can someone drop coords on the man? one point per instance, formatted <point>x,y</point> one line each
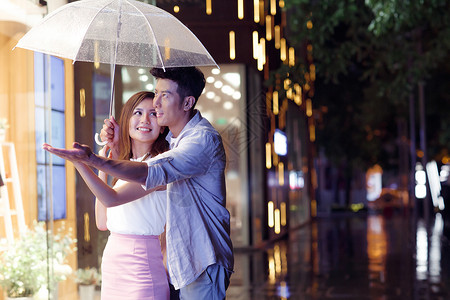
<point>199,248</point>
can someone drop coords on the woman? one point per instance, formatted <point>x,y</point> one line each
<point>132,264</point>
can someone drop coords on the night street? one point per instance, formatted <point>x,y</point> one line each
<point>349,257</point>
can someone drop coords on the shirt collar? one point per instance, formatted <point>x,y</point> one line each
<point>192,122</point>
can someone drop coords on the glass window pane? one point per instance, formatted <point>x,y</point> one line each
<point>57,83</point>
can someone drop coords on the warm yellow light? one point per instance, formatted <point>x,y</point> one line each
<point>96,56</point>
<point>87,235</point>
<point>261,10</point>
<point>260,61</point>
<point>268,155</point>
<point>272,275</point>
<point>283,49</point>
<point>291,56</point>
<point>176,9</point>
<point>270,207</point>
<point>277,33</point>
<point>277,257</point>
<point>281,3</point>
<point>298,94</point>
<point>281,173</point>
<point>312,133</point>
<point>312,71</point>
<point>82,103</point>
<point>309,47</point>
<point>286,83</point>
<point>309,24</point>
<point>306,87</point>
<point>283,213</point>
<point>308,107</point>
<point>275,106</point>
<point>208,7</point>
<point>167,49</point>
<point>268,28</point>
<point>256,11</point>
<point>262,42</point>
<point>277,221</point>
<point>290,94</point>
<point>232,45</point>
<point>255,44</point>
<point>273,7</point>
<point>240,9</point>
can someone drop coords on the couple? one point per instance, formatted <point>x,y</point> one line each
<point>198,247</point>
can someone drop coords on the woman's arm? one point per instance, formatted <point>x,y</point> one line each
<point>100,209</point>
<point>123,169</point>
<point>108,196</point>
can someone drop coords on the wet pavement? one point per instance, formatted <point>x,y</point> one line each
<point>359,256</point>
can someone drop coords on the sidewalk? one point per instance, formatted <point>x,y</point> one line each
<point>349,257</point>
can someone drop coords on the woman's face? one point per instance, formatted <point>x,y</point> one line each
<point>143,127</point>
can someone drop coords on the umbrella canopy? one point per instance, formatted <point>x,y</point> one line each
<point>123,32</point>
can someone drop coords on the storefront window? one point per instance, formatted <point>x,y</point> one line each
<point>49,113</point>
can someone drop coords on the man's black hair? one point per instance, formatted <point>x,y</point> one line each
<point>190,80</point>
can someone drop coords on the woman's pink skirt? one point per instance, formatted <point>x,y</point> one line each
<point>133,269</point>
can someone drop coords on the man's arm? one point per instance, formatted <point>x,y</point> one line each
<point>122,169</point>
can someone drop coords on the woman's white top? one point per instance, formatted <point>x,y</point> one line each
<point>144,216</point>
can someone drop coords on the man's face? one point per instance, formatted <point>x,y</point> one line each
<point>168,104</point>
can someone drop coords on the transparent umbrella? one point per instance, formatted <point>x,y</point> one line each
<point>122,32</point>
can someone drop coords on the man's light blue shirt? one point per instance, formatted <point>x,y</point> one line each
<point>198,223</point>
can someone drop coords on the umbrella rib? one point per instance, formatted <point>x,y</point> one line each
<point>87,29</point>
<point>153,33</point>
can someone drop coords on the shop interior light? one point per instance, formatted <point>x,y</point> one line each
<point>273,7</point>
<point>232,45</point>
<point>283,51</point>
<point>208,7</point>
<point>312,132</point>
<point>255,39</point>
<point>291,56</point>
<point>421,180</point>
<point>270,214</point>
<point>275,107</point>
<point>435,185</point>
<point>308,107</point>
<point>240,9</point>
<point>167,48</point>
<point>277,33</point>
<point>268,27</point>
<point>277,228</point>
<point>280,142</point>
<point>281,173</point>
<point>283,213</point>
<point>256,11</point>
<point>82,103</point>
<point>262,42</point>
<point>268,156</point>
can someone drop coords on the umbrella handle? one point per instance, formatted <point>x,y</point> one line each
<point>98,141</point>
